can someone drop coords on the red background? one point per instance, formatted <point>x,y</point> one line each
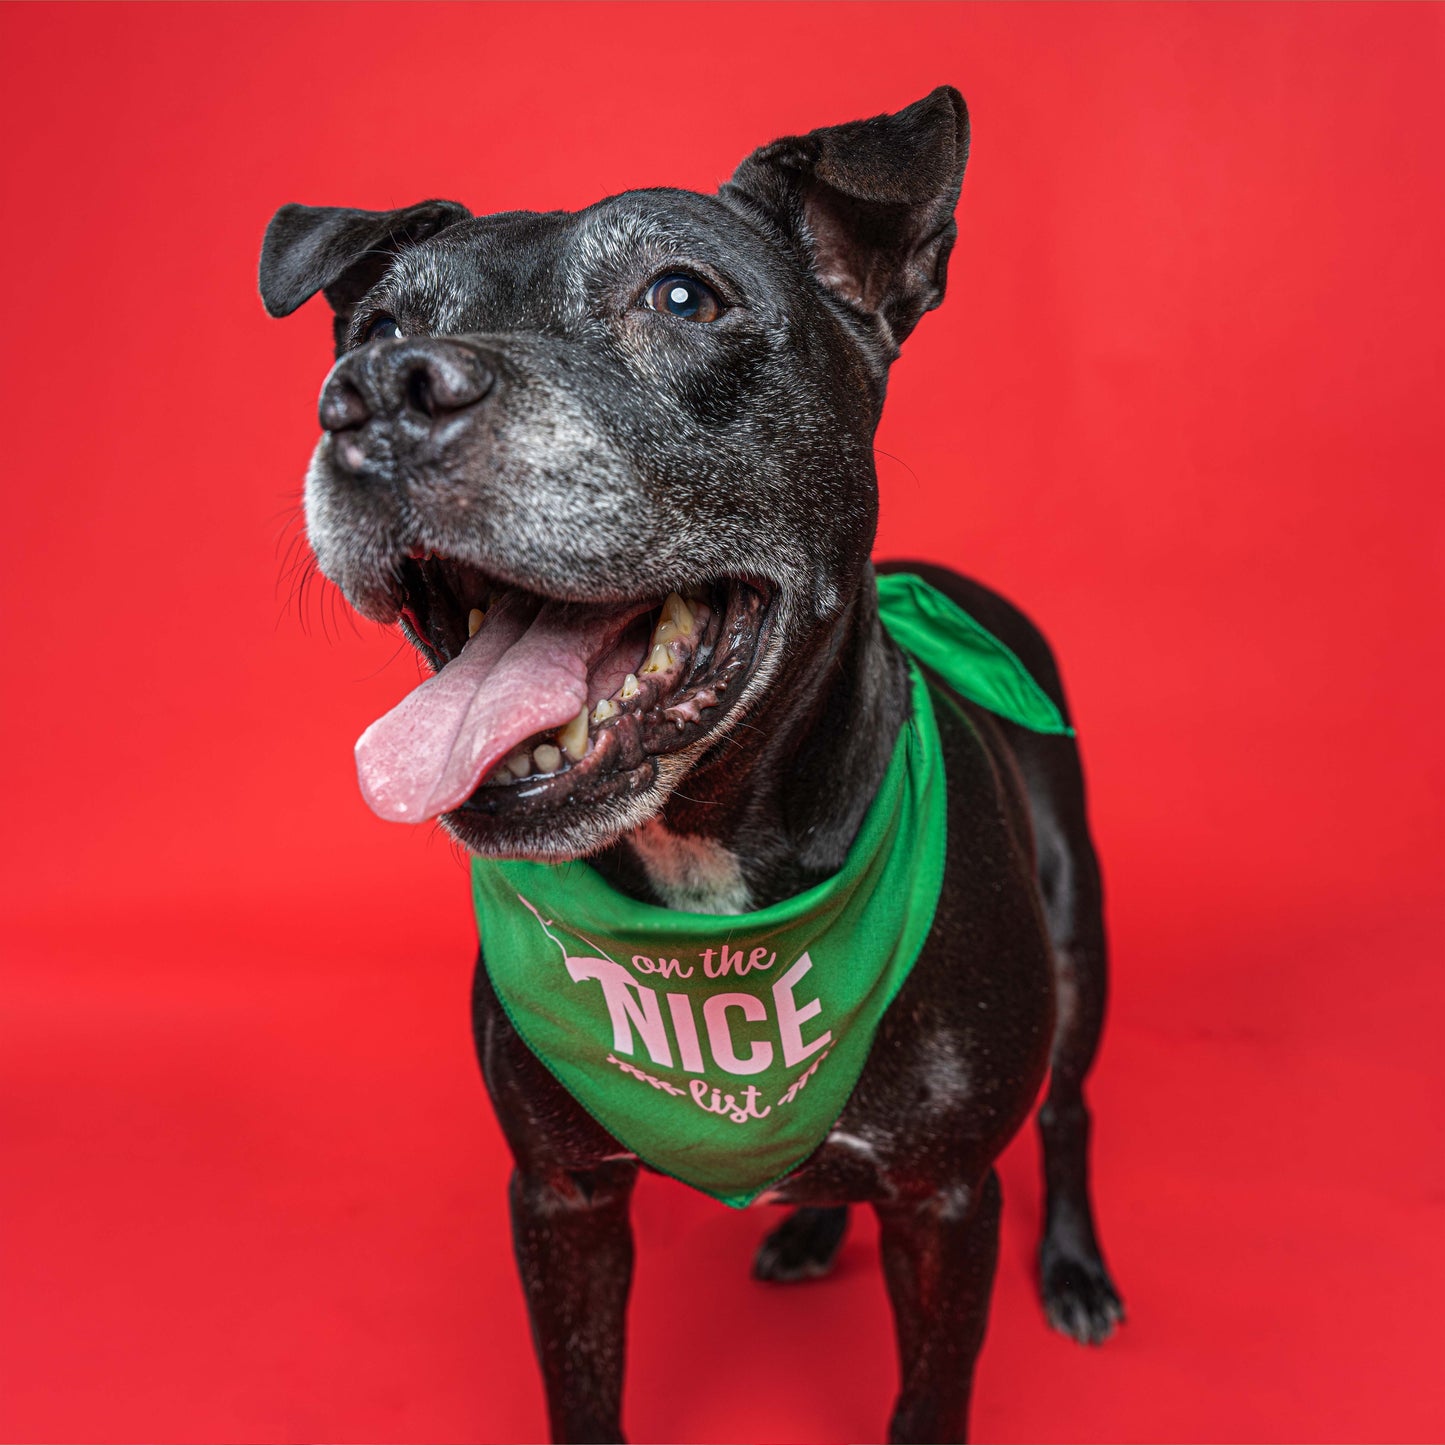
<point>1184,402</point>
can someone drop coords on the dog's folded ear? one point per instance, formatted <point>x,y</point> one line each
<point>341,253</point>
<point>869,206</point>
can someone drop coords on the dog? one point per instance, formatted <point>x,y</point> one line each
<point>542,425</point>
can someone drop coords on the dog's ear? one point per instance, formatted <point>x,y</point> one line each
<point>341,253</point>
<point>869,206</point>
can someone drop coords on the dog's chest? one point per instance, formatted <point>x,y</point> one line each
<point>695,875</point>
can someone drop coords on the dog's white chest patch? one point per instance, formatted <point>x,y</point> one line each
<point>690,873</point>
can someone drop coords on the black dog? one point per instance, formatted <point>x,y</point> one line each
<point>666,392</point>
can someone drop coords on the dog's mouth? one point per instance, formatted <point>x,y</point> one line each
<point>541,704</point>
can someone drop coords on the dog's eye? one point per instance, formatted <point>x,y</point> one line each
<point>685,297</point>
<point>384,328</point>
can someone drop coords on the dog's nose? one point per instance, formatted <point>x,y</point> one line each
<point>432,379</point>
<point>416,384</point>
<point>342,408</point>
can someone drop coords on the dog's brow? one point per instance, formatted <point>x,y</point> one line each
<point>603,236</point>
<point>427,275</point>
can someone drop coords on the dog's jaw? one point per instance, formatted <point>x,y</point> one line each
<point>658,687</point>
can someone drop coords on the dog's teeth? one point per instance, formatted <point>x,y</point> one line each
<point>475,618</point>
<point>676,621</point>
<point>604,710</point>
<point>676,608</point>
<point>573,737</point>
<point>630,688</point>
<point>519,764</point>
<point>547,758</point>
<point>659,659</point>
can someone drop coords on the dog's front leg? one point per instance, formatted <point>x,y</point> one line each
<point>573,1235</point>
<point>938,1259</point>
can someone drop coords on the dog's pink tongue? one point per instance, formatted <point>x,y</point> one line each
<point>524,671</point>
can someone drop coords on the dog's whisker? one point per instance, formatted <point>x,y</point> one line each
<point>878,451</point>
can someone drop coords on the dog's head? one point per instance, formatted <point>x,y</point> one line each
<point>612,470</point>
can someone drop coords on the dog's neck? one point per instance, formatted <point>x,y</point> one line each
<point>777,808</point>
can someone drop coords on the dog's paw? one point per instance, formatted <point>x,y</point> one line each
<point>803,1246</point>
<point>1079,1298</point>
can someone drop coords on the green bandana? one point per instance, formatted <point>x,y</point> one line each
<point>721,1048</point>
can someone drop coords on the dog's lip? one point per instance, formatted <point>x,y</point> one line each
<point>495,574</point>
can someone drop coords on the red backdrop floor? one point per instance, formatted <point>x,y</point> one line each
<point>1183,401</point>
